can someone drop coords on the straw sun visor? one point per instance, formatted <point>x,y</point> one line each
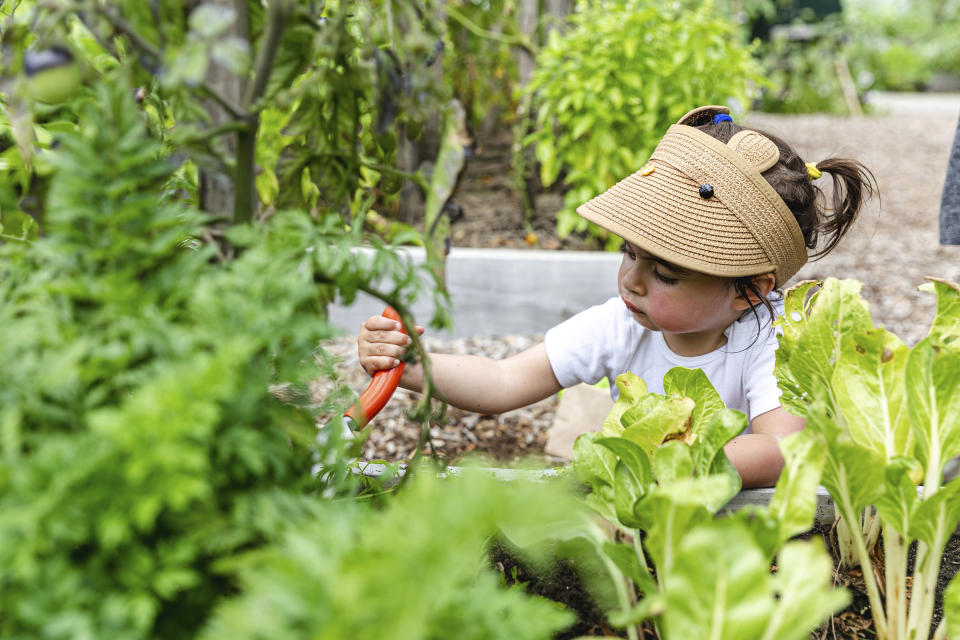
<point>704,205</point>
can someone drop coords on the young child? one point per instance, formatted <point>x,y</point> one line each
<point>718,219</point>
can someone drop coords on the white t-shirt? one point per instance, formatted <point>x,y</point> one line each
<point>605,341</point>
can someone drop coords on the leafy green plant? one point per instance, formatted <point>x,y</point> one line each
<point>274,105</point>
<point>887,418</point>
<point>479,60</point>
<point>806,74</point>
<point>141,443</point>
<point>899,47</point>
<point>658,473</point>
<point>157,417</point>
<point>414,569</point>
<point>604,92</point>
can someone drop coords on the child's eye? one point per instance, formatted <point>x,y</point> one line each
<point>664,279</point>
<point>630,253</point>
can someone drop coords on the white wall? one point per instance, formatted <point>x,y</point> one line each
<point>501,291</point>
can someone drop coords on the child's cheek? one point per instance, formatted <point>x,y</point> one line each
<point>671,314</point>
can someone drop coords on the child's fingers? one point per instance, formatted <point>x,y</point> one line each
<point>381,323</point>
<point>382,349</point>
<point>379,363</point>
<point>381,344</point>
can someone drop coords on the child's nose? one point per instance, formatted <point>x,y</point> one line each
<point>633,280</point>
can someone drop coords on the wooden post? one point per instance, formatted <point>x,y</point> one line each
<point>527,20</point>
<point>217,189</point>
<point>556,12</point>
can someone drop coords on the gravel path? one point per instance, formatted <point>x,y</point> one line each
<point>895,243</point>
<point>891,249</point>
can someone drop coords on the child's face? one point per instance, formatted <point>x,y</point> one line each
<point>685,305</point>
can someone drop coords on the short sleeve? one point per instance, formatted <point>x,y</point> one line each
<point>579,349</point>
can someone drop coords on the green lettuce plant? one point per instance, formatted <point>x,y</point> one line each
<point>657,472</point>
<point>887,418</point>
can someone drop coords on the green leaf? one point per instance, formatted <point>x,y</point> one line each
<point>868,383</point>
<point>625,557</point>
<point>627,492</point>
<point>581,126</point>
<point>649,425</point>
<point>722,427</point>
<point>933,374</point>
<point>852,474</point>
<point>631,455</point>
<point>694,384</point>
<point>210,20</point>
<point>805,597</point>
<point>549,168</point>
<point>898,502</point>
<point>233,54</point>
<point>721,587</point>
<point>187,66</point>
<point>815,342</point>
<point>648,607</point>
<point>668,511</point>
<point>951,607</point>
<point>672,462</point>
<point>946,322</point>
<point>631,389</point>
<point>936,516</point>
<point>593,463</point>
<point>794,501</point>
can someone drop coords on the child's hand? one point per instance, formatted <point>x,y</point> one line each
<point>381,343</point>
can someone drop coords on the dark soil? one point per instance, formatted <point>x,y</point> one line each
<point>561,582</point>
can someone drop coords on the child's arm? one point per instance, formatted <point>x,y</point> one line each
<point>472,383</point>
<point>757,455</point>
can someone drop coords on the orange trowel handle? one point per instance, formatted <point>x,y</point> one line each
<point>378,392</point>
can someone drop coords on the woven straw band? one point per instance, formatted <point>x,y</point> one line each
<point>744,228</point>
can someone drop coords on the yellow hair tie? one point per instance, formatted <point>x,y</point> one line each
<point>812,172</point>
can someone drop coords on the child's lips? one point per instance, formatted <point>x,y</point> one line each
<point>630,307</point>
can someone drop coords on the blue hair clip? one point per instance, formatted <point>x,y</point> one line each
<point>722,117</point>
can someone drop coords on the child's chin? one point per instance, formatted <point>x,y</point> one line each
<point>644,321</point>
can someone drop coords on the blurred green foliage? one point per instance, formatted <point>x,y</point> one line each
<point>480,62</point>
<point>603,93</point>
<point>801,65</point>
<point>899,46</point>
<point>311,96</point>
<point>415,569</point>
<point>140,441</point>
<point>888,46</point>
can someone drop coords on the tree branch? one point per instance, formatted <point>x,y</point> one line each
<point>521,40</point>
<point>278,13</point>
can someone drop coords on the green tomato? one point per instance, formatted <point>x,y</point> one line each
<point>53,76</point>
<point>390,183</point>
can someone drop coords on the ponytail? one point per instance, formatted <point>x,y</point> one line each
<point>822,226</point>
<point>853,185</point>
